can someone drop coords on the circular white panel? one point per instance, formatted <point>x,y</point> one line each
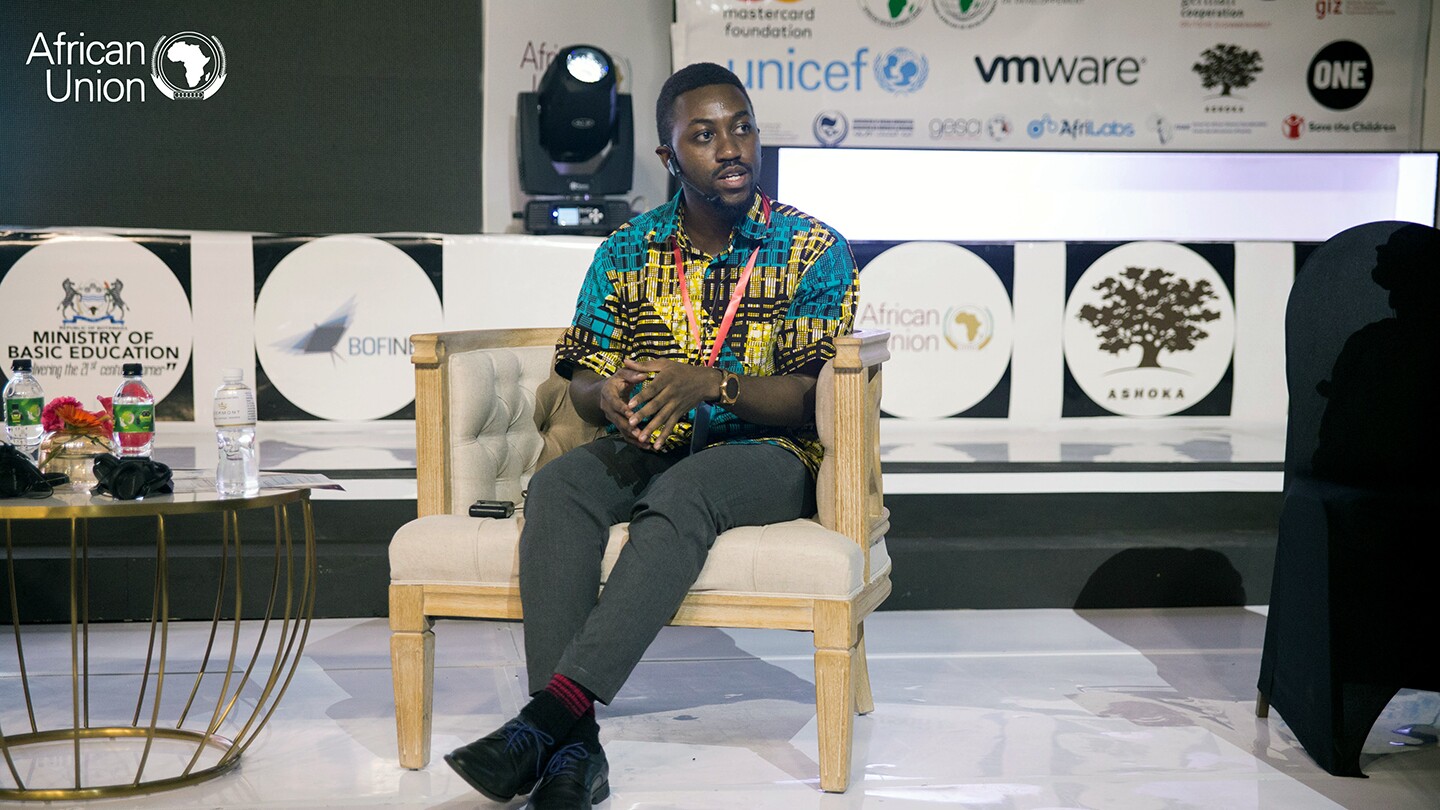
<point>82,306</point>
<point>950,322</point>
<point>1149,329</point>
<point>333,325</point>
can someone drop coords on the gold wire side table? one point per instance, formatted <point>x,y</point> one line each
<point>227,704</point>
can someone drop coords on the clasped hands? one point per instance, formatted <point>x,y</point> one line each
<point>668,391</point>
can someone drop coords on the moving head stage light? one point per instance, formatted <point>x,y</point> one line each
<point>576,137</point>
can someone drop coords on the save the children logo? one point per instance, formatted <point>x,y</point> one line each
<point>1149,329</point>
<point>81,68</point>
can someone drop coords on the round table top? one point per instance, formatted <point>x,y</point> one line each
<point>85,505</point>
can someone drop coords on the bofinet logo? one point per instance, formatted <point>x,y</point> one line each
<point>84,69</point>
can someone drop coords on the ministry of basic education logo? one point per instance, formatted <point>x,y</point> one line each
<point>188,65</point>
<point>92,301</point>
<point>965,13</point>
<point>830,127</point>
<point>902,71</point>
<point>892,13</point>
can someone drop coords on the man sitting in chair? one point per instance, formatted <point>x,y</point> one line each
<point>698,336</point>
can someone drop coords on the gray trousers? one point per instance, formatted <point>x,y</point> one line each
<point>676,505</point>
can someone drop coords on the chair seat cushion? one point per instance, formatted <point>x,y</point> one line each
<point>796,558</point>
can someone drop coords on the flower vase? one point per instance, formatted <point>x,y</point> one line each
<point>73,454</point>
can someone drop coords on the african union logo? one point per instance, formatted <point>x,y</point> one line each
<point>901,71</point>
<point>188,65</point>
<point>965,13</point>
<point>830,127</point>
<point>892,13</point>
<point>968,327</point>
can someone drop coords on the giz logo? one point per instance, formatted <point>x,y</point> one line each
<point>1324,8</point>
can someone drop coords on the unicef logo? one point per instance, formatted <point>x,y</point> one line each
<point>902,71</point>
<point>188,65</point>
<point>969,327</point>
<point>830,127</point>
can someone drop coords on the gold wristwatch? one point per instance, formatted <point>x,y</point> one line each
<point>729,387</point>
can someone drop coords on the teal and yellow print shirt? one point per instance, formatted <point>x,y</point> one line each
<point>801,295</point>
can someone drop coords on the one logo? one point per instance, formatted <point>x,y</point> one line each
<point>1229,67</point>
<point>969,327</point>
<point>892,13</point>
<point>902,71</point>
<point>92,302</point>
<point>1162,128</point>
<point>830,127</point>
<point>1340,75</point>
<point>1292,126</point>
<point>998,127</point>
<point>1083,70</point>
<point>188,65</point>
<point>1077,128</point>
<point>1149,329</point>
<point>324,337</point>
<point>965,13</point>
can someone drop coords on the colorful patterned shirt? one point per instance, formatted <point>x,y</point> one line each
<point>801,295</point>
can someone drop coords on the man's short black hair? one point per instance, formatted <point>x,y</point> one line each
<point>690,77</point>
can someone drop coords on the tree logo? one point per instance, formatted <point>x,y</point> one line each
<point>1149,329</point>
<point>1229,67</point>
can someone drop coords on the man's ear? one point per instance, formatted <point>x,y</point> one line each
<point>666,155</point>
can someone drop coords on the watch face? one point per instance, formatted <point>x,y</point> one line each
<point>730,390</point>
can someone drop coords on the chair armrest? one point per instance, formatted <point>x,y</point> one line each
<point>849,491</point>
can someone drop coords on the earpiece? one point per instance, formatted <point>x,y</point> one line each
<point>674,170</point>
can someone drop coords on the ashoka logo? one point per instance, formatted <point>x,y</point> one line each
<point>965,13</point>
<point>188,65</point>
<point>902,71</point>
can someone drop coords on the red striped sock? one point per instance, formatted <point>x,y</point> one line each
<point>571,695</point>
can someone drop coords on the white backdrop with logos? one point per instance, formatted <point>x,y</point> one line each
<point>1214,75</point>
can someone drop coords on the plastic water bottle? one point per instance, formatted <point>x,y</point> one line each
<point>238,470</point>
<point>24,401</point>
<point>134,407</point>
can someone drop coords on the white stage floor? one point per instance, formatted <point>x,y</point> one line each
<point>1112,710</point>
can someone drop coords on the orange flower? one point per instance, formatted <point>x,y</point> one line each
<point>65,414</point>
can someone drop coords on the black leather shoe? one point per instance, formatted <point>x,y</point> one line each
<point>505,763</point>
<point>575,778</point>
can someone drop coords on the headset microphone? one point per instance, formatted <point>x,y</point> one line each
<point>673,164</point>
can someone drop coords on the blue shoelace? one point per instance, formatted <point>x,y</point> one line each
<point>520,735</point>
<point>565,760</point>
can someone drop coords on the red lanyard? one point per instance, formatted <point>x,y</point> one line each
<point>734,305</point>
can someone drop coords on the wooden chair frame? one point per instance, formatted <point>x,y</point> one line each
<point>848,402</point>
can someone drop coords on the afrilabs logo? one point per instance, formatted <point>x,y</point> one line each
<point>1083,70</point>
<point>1228,67</point>
<point>92,302</point>
<point>892,13</point>
<point>902,71</point>
<point>1076,128</point>
<point>188,65</point>
<point>965,13</point>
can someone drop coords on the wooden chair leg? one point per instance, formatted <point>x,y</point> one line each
<point>834,707</point>
<point>412,668</point>
<point>864,701</point>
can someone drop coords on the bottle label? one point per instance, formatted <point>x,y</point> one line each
<point>23,412</point>
<point>134,418</point>
<point>235,410</point>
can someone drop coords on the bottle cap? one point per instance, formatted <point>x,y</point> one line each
<point>131,369</point>
<point>21,364</point>
<point>232,374</point>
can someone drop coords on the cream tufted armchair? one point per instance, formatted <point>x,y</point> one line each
<point>490,411</point>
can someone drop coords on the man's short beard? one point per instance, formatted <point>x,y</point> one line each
<point>737,210</point>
